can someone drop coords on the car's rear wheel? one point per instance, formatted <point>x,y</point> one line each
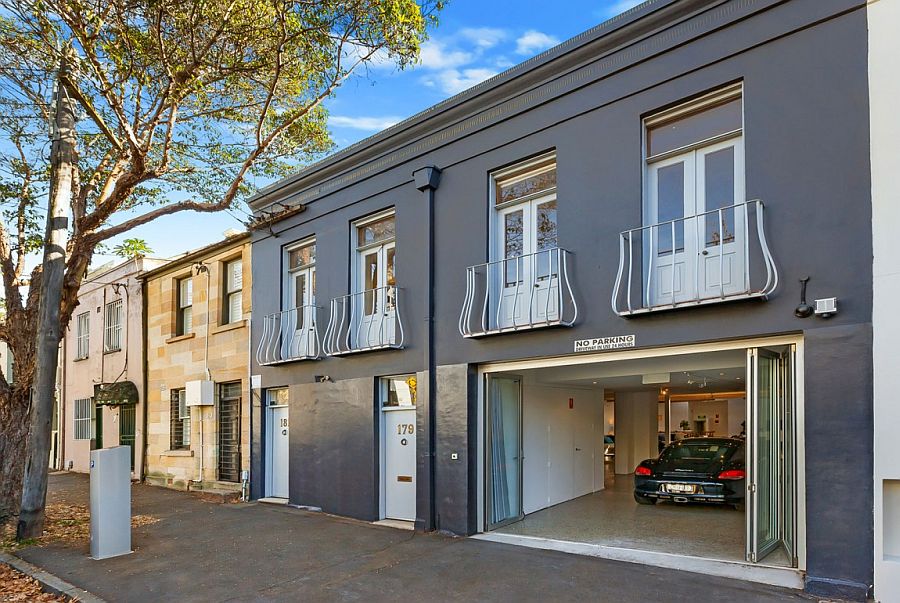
<point>644,500</point>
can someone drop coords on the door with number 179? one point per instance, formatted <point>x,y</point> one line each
<point>399,446</point>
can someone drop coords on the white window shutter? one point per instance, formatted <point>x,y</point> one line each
<point>235,276</point>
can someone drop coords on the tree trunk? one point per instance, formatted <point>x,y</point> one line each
<point>13,446</point>
<point>63,159</point>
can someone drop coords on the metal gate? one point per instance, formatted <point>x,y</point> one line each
<point>230,432</point>
<point>127,428</point>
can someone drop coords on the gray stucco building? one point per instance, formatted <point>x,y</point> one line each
<point>456,318</point>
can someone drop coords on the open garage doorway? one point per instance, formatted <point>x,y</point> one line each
<point>691,454</point>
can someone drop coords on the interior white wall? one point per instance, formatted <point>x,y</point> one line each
<point>553,470</point>
<point>681,411</point>
<point>713,410</point>
<point>884,90</point>
<point>636,435</point>
<point>737,414</point>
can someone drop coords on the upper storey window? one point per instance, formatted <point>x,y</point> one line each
<point>694,179</point>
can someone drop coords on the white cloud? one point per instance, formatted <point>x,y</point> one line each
<point>483,37</point>
<point>368,124</point>
<point>533,41</point>
<point>618,7</point>
<point>453,81</point>
<point>436,55</point>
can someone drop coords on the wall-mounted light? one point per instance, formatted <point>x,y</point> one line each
<point>323,379</point>
<point>804,310</point>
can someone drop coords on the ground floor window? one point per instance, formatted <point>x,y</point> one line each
<point>179,421</point>
<point>84,419</point>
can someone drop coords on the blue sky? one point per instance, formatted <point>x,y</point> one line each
<point>474,41</point>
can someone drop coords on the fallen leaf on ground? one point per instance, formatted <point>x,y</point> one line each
<point>64,523</point>
<point>16,586</point>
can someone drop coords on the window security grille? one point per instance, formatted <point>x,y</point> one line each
<point>112,326</point>
<point>84,418</point>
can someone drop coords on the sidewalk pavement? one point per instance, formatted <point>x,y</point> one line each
<point>201,551</point>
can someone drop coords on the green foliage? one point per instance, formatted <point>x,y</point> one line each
<point>183,100</point>
<point>132,248</point>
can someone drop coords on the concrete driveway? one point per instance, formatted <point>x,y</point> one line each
<point>201,551</point>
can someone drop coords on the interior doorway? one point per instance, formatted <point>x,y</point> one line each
<point>693,454</point>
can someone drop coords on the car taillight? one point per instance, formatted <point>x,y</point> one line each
<point>733,474</point>
<point>642,471</point>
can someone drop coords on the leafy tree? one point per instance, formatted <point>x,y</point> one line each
<point>132,248</point>
<point>184,104</point>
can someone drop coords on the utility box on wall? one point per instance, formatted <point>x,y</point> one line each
<point>199,393</point>
<point>110,502</point>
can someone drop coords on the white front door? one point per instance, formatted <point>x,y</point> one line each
<point>695,241</point>
<point>279,428</point>
<point>399,475</point>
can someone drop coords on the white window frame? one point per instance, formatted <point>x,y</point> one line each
<point>358,252</point>
<point>532,279</point>
<point>692,288</point>
<point>233,288</point>
<point>289,298</point>
<point>112,326</point>
<point>82,335</point>
<point>181,308</point>
<point>84,423</point>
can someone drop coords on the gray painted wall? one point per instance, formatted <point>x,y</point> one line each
<point>806,156</point>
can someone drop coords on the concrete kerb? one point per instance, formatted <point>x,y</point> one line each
<point>49,582</point>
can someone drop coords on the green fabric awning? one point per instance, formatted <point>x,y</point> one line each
<point>122,393</point>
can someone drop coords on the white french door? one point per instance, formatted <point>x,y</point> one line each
<point>375,306</point>
<point>526,277</point>
<point>695,240</point>
<point>298,331</point>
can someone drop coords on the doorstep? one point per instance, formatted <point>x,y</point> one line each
<point>398,524</point>
<point>272,500</point>
<point>751,572</point>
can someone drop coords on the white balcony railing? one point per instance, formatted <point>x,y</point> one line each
<point>288,336</point>
<point>364,321</point>
<point>715,256</point>
<point>519,293</point>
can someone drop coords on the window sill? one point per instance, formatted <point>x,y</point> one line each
<point>180,338</point>
<point>238,324</point>
<point>79,359</point>
<point>184,452</point>
<point>105,352</point>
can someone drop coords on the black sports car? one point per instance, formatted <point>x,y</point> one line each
<point>702,470</point>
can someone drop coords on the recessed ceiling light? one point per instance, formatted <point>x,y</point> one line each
<point>595,383</point>
<point>738,378</point>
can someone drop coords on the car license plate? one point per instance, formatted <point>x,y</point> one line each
<point>680,488</point>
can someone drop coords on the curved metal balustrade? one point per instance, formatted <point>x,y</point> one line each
<point>289,336</point>
<point>706,258</point>
<point>519,293</point>
<point>364,321</point>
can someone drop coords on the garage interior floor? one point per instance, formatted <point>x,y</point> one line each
<point>611,517</point>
